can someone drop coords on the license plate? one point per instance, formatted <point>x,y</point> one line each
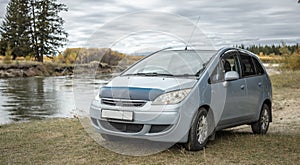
<point>119,115</point>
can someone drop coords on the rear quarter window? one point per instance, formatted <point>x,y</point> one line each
<point>259,68</point>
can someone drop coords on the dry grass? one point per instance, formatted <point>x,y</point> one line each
<point>64,141</point>
<point>287,79</point>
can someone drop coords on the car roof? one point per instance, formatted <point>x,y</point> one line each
<point>224,49</point>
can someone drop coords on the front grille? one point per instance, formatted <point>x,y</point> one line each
<point>121,127</point>
<point>123,103</point>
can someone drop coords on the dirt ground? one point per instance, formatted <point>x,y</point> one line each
<point>285,112</point>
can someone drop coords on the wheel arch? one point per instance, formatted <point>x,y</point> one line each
<point>209,113</point>
<point>192,143</point>
<point>269,104</point>
<point>207,107</point>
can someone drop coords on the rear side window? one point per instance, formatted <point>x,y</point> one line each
<point>247,65</point>
<point>259,68</point>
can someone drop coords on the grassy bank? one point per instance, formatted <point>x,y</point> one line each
<point>60,141</point>
<point>64,141</point>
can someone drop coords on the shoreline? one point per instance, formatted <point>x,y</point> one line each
<point>32,69</point>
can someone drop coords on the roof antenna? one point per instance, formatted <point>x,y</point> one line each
<point>192,34</point>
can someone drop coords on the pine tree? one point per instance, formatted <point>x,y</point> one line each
<point>47,27</point>
<point>15,29</point>
<point>33,27</point>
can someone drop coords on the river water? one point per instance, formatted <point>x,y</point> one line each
<point>35,98</point>
<point>25,99</point>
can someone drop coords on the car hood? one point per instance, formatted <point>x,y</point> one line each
<point>143,87</point>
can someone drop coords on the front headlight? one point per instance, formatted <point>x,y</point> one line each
<point>97,97</point>
<point>96,100</point>
<point>173,97</point>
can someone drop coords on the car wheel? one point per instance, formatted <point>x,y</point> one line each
<point>262,125</point>
<point>198,135</point>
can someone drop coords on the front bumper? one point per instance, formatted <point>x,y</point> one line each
<point>164,123</point>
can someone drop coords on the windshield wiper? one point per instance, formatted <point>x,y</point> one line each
<point>201,70</point>
<point>184,75</point>
<point>154,74</point>
<point>149,74</point>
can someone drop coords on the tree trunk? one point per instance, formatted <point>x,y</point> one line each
<point>33,35</point>
<point>40,58</point>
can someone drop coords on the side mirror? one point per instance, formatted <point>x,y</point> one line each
<point>231,75</point>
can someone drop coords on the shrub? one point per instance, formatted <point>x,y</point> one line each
<point>28,58</point>
<point>7,58</point>
<point>293,61</point>
<point>60,59</point>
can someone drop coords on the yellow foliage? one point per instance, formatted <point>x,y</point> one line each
<point>72,58</point>
<point>293,61</point>
<point>27,58</point>
<point>7,59</point>
<point>67,61</point>
<point>47,59</point>
<point>271,59</point>
<point>60,59</point>
<point>20,58</point>
<point>87,55</point>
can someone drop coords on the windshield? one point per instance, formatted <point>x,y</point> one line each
<point>172,63</point>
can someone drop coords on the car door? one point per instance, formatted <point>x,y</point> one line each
<point>231,95</point>
<point>253,75</point>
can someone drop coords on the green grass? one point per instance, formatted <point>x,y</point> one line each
<point>64,141</point>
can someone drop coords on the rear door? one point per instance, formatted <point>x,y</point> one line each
<point>252,72</point>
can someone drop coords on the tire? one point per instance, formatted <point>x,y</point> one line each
<point>199,132</point>
<point>262,125</point>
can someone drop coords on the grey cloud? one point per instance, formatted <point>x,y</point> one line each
<point>3,4</point>
<point>225,22</point>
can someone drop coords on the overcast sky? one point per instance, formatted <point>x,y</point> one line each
<point>127,25</point>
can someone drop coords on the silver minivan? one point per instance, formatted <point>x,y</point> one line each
<point>185,96</point>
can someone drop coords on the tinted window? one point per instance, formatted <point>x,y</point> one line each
<point>259,68</point>
<point>228,62</point>
<point>247,65</point>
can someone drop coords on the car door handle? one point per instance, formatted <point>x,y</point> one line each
<point>259,84</point>
<point>242,87</point>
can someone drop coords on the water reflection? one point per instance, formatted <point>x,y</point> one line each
<point>23,99</point>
